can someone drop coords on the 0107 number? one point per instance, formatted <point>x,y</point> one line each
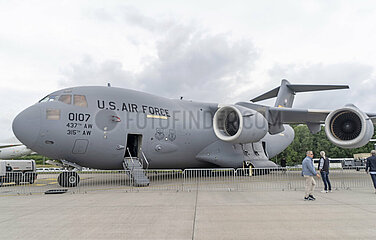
<point>81,117</point>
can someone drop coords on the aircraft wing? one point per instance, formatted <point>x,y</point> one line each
<point>288,115</point>
<point>277,116</point>
<point>10,145</point>
<point>296,116</point>
<point>372,116</point>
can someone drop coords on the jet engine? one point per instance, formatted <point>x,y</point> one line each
<point>237,124</point>
<point>348,127</point>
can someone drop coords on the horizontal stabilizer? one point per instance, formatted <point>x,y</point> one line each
<point>312,88</point>
<point>271,94</point>
<point>286,92</point>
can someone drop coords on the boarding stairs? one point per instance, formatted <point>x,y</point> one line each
<point>136,171</point>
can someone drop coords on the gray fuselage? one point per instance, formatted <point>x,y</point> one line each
<point>97,127</point>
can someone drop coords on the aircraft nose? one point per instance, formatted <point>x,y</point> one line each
<point>26,125</point>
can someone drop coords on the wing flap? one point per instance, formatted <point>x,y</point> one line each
<point>288,115</point>
<point>297,116</point>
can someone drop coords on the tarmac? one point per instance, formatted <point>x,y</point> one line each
<point>117,214</point>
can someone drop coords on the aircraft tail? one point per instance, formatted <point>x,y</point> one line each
<point>286,92</point>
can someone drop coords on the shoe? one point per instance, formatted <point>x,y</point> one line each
<point>306,198</point>
<point>312,197</point>
<point>330,191</point>
<point>324,191</point>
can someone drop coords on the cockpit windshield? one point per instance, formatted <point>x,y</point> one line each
<point>49,98</point>
<point>78,100</point>
<point>66,99</point>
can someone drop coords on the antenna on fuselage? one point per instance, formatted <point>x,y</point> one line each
<point>108,84</point>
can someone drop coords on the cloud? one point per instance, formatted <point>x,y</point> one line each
<point>185,61</point>
<point>134,17</point>
<point>89,72</point>
<point>202,65</point>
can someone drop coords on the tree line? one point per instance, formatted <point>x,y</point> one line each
<point>305,141</point>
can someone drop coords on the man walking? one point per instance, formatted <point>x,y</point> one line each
<point>309,171</point>
<point>371,167</point>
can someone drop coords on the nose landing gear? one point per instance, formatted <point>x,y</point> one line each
<point>68,179</point>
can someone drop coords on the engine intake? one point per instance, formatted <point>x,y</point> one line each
<point>237,124</point>
<point>348,127</point>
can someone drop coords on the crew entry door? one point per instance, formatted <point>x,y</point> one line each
<point>133,146</point>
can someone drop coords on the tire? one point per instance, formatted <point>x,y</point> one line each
<point>29,177</point>
<point>68,179</point>
<point>18,178</point>
<point>32,179</point>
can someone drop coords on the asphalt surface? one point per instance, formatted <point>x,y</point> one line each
<point>176,181</point>
<point>120,214</point>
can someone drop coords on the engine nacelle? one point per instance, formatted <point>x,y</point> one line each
<point>348,127</point>
<point>237,124</point>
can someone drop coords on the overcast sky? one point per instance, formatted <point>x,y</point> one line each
<point>212,51</point>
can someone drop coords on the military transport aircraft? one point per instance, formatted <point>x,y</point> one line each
<point>14,150</point>
<point>112,128</point>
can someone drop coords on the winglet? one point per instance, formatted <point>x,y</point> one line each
<point>286,92</point>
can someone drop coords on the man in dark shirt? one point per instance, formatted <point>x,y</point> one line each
<point>371,167</point>
<point>324,170</point>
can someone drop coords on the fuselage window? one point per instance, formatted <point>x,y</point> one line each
<point>66,99</point>
<point>53,114</point>
<point>80,100</point>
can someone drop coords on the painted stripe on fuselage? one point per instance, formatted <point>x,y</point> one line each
<point>156,116</point>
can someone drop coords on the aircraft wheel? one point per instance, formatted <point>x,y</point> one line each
<point>31,180</point>
<point>68,179</point>
<point>18,179</point>
<point>28,177</point>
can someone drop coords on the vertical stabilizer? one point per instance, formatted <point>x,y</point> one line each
<point>286,95</point>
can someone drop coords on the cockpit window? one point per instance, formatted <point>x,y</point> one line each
<point>66,99</point>
<point>80,100</point>
<point>49,98</point>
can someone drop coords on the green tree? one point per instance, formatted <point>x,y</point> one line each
<point>305,141</point>
<point>38,158</point>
